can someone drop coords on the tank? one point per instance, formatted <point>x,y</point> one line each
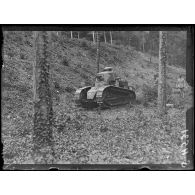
<point>109,90</point>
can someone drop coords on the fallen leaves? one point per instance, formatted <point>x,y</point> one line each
<point>119,135</point>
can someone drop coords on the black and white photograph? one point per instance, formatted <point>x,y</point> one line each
<point>93,98</point>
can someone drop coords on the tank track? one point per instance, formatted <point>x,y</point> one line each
<point>107,96</point>
<point>114,96</point>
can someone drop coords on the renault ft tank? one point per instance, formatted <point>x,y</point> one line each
<point>109,90</point>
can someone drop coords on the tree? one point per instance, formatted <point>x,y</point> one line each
<point>143,42</point>
<point>111,37</point>
<point>43,113</point>
<point>104,36</point>
<point>93,33</point>
<point>162,72</point>
<point>71,35</point>
<point>78,34</point>
<point>129,38</point>
<point>98,50</point>
<point>34,67</point>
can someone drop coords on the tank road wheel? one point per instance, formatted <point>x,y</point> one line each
<point>99,108</point>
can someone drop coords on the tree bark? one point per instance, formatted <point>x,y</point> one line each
<point>111,37</point>
<point>143,48</point>
<point>71,35</point>
<point>143,43</point>
<point>162,72</point>
<point>34,67</point>
<point>98,51</point>
<point>104,36</point>
<point>93,33</point>
<point>43,113</point>
<point>78,35</point>
<point>151,50</point>
<point>130,38</point>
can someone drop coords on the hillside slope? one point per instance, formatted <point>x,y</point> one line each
<point>133,137</point>
<point>72,62</point>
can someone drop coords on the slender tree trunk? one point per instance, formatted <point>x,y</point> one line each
<point>143,48</point>
<point>78,35</point>
<point>43,113</point>
<point>143,43</point>
<point>129,39</point>
<point>98,51</point>
<point>93,33</point>
<point>71,35</point>
<point>151,50</point>
<point>162,72</point>
<point>34,67</point>
<point>111,37</point>
<point>104,36</point>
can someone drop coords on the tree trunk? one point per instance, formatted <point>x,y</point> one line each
<point>143,48</point>
<point>98,51</point>
<point>93,33</point>
<point>104,36</point>
<point>162,72</point>
<point>143,43</point>
<point>71,35</point>
<point>151,50</point>
<point>111,37</point>
<point>78,35</point>
<point>34,67</point>
<point>43,113</point>
<point>130,38</point>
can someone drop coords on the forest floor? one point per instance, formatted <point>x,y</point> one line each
<point>121,135</point>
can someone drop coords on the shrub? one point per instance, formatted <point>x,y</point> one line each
<point>84,44</point>
<point>88,82</point>
<point>126,74</point>
<point>10,54</point>
<point>79,65</point>
<point>54,37</point>
<point>150,93</point>
<point>169,93</point>
<point>92,52</point>
<point>141,76</point>
<point>22,56</point>
<point>65,62</point>
<point>69,89</point>
<point>84,76</point>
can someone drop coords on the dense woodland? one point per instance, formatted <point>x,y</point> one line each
<point>131,134</point>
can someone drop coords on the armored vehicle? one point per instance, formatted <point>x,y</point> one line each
<point>109,90</point>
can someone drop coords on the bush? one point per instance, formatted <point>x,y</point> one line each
<point>10,54</point>
<point>65,62</point>
<point>84,44</point>
<point>69,89</point>
<point>54,37</point>
<point>126,74</point>
<point>22,56</point>
<point>84,76</point>
<point>150,93</point>
<point>92,52</point>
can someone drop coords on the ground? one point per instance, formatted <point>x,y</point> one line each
<point>121,135</point>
